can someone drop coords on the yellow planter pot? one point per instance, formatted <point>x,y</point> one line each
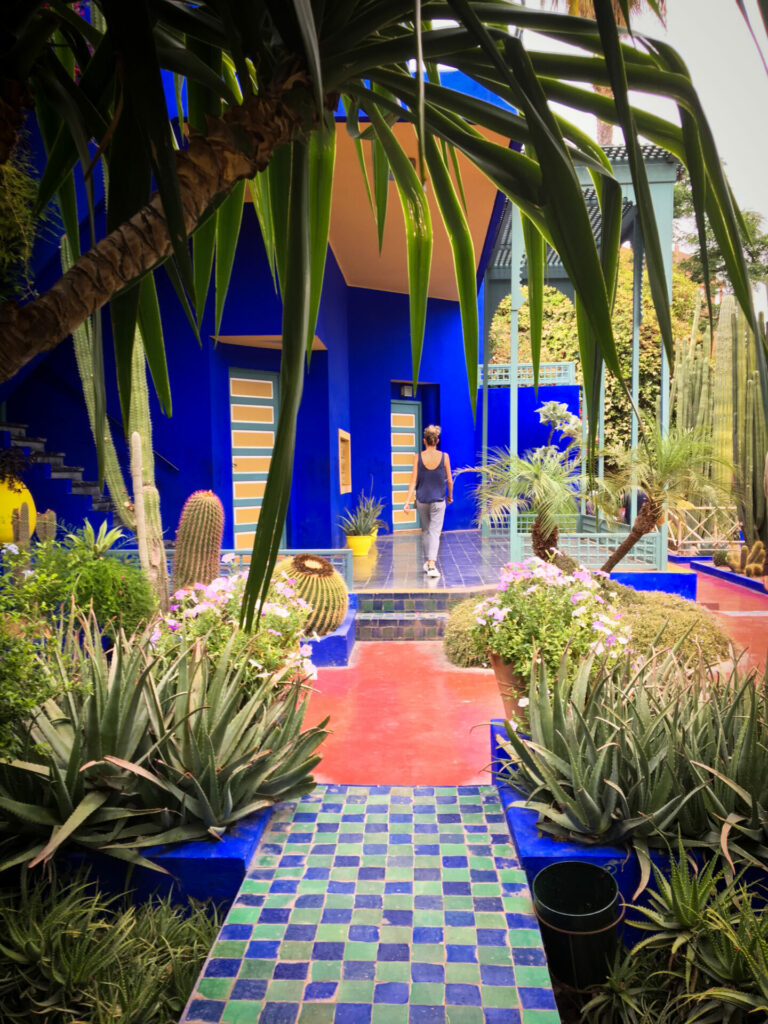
<point>10,500</point>
<point>360,543</point>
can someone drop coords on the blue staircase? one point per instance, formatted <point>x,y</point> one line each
<point>54,484</point>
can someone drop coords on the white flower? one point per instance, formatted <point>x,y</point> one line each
<point>229,557</point>
<point>12,549</point>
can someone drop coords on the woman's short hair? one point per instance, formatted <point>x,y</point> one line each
<point>432,434</point>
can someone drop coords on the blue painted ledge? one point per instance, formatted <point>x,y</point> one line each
<point>336,648</point>
<point>207,869</point>
<point>749,582</point>
<point>683,584</point>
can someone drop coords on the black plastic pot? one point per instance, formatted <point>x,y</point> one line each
<point>579,908</point>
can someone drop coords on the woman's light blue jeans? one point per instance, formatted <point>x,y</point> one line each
<point>431,514</point>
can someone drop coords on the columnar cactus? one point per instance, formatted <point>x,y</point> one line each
<point>20,526</point>
<point>198,540</point>
<point>749,561</point>
<point>149,528</point>
<point>46,526</point>
<point>321,586</point>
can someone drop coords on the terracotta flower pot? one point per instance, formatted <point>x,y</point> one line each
<point>511,685</point>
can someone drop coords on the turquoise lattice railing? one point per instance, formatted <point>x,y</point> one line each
<point>500,374</point>
<point>340,559</point>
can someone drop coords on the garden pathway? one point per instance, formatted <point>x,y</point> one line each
<point>381,905</point>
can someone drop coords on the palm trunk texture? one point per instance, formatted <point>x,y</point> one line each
<point>543,546</point>
<point>646,520</point>
<point>238,145</point>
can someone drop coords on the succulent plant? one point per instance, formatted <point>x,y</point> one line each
<point>198,540</point>
<point>749,560</point>
<point>20,525</point>
<point>321,586</point>
<point>46,525</point>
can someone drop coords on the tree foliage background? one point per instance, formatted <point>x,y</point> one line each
<point>560,340</point>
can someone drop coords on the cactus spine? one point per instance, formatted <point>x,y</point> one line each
<point>198,540</point>
<point>46,526</point>
<point>321,586</point>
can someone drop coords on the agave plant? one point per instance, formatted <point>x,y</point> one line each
<point>638,754</point>
<point>147,751</point>
<point>263,79</point>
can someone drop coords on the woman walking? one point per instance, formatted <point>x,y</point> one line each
<point>430,479</point>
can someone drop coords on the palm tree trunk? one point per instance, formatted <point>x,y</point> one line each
<point>238,145</point>
<point>543,547</point>
<point>646,520</point>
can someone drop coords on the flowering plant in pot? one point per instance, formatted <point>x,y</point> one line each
<point>536,613</point>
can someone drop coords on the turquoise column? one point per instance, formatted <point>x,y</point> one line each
<point>637,318</point>
<point>488,312</point>
<point>517,249</point>
<point>662,196</point>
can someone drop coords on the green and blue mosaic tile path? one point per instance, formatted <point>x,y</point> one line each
<point>381,905</point>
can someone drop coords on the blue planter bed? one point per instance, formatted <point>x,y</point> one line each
<point>750,583</point>
<point>336,648</point>
<point>681,583</point>
<point>208,869</point>
<point>537,851</point>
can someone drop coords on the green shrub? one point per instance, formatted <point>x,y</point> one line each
<point>82,570</point>
<point>665,620</point>
<point>459,644</point>
<point>22,683</point>
<point>720,557</point>
<point>69,954</point>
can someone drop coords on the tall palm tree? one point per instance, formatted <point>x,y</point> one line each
<point>263,80</point>
<point>667,471</point>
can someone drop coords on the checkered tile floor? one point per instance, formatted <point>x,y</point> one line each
<point>381,905</point>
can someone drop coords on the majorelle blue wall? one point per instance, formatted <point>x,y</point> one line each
<point>193,446</point>
<point>379,353</point>
<point>531,432</point>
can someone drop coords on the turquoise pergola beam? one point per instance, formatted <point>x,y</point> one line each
<point>517,247</point>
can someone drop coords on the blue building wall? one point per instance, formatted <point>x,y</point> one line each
<point>348,387</point>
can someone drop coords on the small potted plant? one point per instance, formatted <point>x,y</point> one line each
<point>361,524</point>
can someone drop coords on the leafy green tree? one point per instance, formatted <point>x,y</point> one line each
<point>263,79</point>
<point>560,341</point>
<point>754,242</point>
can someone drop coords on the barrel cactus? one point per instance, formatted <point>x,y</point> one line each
<point>321,586</point>
<point>198,540</point>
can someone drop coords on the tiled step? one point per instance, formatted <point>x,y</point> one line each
<point>412,601</point>
<point>400,625</point>
<point>14,429</point>
<point>53,459</point>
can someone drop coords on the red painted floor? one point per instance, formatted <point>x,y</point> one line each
<point>402,715</point>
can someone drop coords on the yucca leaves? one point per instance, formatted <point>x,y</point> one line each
<point>229,52</point>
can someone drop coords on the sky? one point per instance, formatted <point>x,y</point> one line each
<point>732,83</point>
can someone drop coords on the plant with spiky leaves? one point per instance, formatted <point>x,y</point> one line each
<point>264,78</point>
